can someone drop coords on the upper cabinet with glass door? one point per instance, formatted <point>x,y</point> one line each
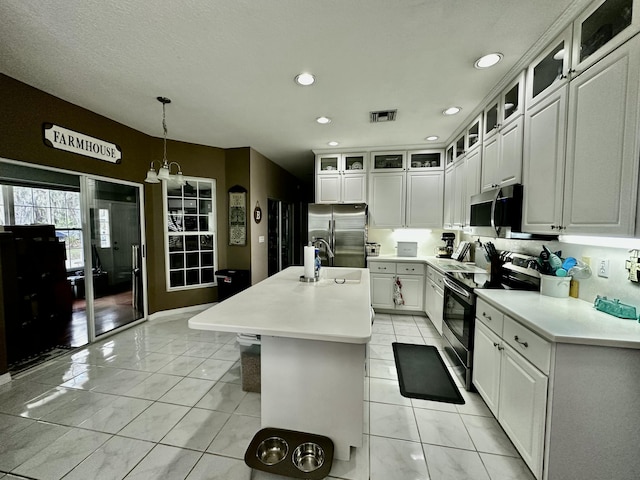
<point>600,29</point>
<point>550,69</point>
<point>331,164</point>
<point>388,161</point>
<point>425,160</point>
<point>506,108</point>
<point>473,135</point>
<point>460,146</point>
<point>595,33</point>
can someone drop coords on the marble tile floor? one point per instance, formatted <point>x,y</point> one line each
<point>161,401</point>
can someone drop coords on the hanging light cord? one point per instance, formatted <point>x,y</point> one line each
<point>164,102</point>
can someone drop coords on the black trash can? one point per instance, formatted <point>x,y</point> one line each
<point>231,282</point>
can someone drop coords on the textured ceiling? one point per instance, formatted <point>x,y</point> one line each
<point>228,66</point>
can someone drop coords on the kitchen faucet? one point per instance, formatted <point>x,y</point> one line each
<point>316,241</point>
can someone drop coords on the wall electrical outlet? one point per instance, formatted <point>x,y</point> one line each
<point>603,268</point>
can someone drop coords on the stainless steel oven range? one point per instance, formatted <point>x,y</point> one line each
<point>517,273</point>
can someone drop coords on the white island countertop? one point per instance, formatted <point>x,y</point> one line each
<point>564,320</point>
<point>282,306</point>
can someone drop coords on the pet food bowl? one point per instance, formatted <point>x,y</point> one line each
<point>272,450</point>
<point>308,457</point>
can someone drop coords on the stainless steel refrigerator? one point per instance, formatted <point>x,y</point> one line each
<point>344,228</point>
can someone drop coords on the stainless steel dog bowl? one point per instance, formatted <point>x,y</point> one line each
<point>308,457</point>
<point>272,450</point>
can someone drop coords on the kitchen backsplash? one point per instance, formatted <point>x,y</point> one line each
<point>616,285</point>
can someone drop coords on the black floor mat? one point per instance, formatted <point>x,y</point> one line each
<point>423,374</point>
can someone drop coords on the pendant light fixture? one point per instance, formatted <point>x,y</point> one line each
<point>164,173</point>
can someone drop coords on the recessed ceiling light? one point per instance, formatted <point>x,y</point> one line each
<point>451,111</point>
<point>333,144</point>
<point>305,79</point>
<point>432,138</point>
<point>323,120</point>
<point>488,60</point>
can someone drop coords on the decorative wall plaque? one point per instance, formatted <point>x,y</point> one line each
<point>237,215</point>
<point>257,213</point>
<point>62,138</point>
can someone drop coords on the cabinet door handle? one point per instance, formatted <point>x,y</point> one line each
<point>496,344</point>
<point>488,317</point>
<point>524,344</point>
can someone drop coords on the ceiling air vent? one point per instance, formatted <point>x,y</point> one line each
<point>383,116</point>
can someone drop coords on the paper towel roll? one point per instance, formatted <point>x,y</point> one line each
<point>309,261</point>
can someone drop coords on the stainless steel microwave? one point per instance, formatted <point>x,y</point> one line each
<point>498,213</point>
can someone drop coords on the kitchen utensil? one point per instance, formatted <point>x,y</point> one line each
<point>553,259</point>
<point>569,263</point>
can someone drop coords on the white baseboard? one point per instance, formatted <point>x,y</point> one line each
<point>178,311</point>
<point>5,378</point>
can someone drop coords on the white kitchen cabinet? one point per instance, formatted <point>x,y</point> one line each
<point>459,191</point>
<point>581,174</point>
<point>503,132</point>
<point>486,365</point>
<point>449,196</point>
<point>383,278</point>
<point>341,178</point>
<point>434,298</point>
<point>502,156</point>
<point>543,163</point>
<point>523,406</point>
<point>412,291</point>
<point>425,198</point>
<point>472,174</point>
<point>549,70</point>
<point>602,158</point>
<point>382,290</point>
<point>406,194</point>
<point>387,199</point>
<point>513,383</point>
<point>600,29</point>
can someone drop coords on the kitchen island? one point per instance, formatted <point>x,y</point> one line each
<point>313,349</point>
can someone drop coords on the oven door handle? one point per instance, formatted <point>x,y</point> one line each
<point>449,284</point>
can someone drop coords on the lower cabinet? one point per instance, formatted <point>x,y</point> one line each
<point>523,406</point>
<point>384,276</point>
<point>512,386</point>
<point>434,298</point>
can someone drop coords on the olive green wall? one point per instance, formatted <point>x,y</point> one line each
<point>25,109</point>
<point>237,169</point>
<point>268,180</point>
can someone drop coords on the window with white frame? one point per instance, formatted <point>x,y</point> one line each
<point>190,227</point>
<point>25,205</point>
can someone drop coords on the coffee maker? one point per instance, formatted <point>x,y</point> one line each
<point>447,249</point>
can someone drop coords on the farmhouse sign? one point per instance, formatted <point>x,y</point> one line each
<point>64,139</point>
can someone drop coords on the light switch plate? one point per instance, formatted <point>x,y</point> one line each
<point>261,239</point>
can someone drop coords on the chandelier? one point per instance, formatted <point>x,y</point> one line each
<point>164,173</point>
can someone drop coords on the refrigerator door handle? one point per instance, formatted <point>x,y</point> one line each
<point>333,242</point>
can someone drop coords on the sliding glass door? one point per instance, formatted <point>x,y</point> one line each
<point>79,272</point>
<point>115,239</point>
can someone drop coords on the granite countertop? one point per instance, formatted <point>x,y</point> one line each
<point>564,320</point>
<point>282,306</point>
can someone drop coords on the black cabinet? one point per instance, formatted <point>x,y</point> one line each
<point>37,294</point>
